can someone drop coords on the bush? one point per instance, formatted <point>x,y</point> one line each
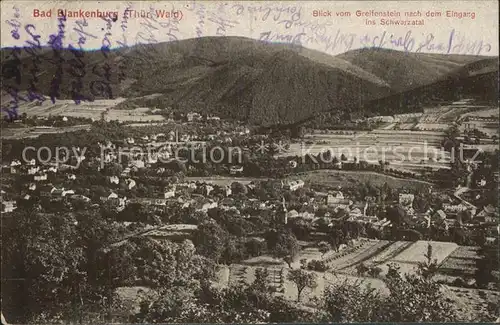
<point>459,282</point>
<point>319,266</point>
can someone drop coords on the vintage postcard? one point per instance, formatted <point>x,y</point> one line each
<point>249,162</point>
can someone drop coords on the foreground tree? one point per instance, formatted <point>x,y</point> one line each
<point>348,302</point>
<point>284,245</point>
<point>302,280</point>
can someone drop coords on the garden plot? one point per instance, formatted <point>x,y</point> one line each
<point>405,254</point>
<point>238,274</point>
<point>366,254</point>
<point>393,250</point>
<point>357,254</point>
<point>415,253</point>
<point>460,263</point>
<point>409,258</point>
<point>382,255</point>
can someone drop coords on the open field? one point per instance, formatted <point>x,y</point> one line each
<point>408,256</point>
<point>224,180</point>
<point>403,149</point>
<point>432,126</point>
<point>485,112</point>
<point>93,110</point>
<point>34,132</point>
<point>335,178</point>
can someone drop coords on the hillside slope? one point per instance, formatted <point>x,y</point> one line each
<point>231,76</point>
<point>403,70</point>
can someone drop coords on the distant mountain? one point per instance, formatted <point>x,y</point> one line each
<point>403,70</point>
<point>477,80</point>
<point>236,77</point>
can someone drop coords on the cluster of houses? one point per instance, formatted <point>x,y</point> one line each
<point>203,197</point>
<point>451,213</point>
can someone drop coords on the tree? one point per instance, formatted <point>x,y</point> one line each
<point>350,301</point>
<point>428,268</point>
<point>361,269</point>
<point>210,240</point>
<point>336,238</point>
<point>421,204</point>
<point>302,279</point>
<point>254,247</point>
<point>396,215</point>
<point>46,251</point>
<point>113,169</point>
<point>323,248</point>
<point>286,247</point>
<point>374,271</point>
<point>239,188</point>
<point>261,282</point>
<point>416,297</point>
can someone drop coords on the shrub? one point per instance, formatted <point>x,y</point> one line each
<point>459,282</point>
<point>319,266</point>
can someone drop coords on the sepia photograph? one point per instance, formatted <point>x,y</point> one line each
<point>249,162</point>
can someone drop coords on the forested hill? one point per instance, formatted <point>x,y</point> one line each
<point>236,77</point>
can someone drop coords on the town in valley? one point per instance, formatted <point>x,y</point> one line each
<point>253,183</point>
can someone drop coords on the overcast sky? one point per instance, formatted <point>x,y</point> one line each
<point>475,33</point>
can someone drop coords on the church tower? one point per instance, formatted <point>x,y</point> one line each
<point>282,211</point>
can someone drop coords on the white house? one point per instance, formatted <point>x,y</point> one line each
<point>341,203</point>
<point>9,206</point>
<point>406,199</point>
<point>191,116</point>
<point>114,180</point>
<point>67,192</point>
<point>33,170</point>
<point>294,185</point>
<point>169,192</point>
<point>234,170</point>
<point>40,177</point>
